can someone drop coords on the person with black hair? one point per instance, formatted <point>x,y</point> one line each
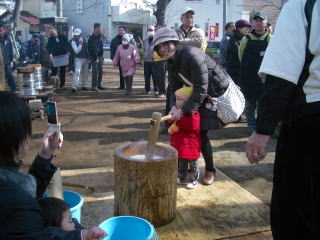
<point>115,43</point>
<point>20,213</point>
<point>95,49</point>
<point>229,30</point>
<point>8,56</point>
<point>57,46</point>
<point>56,213</point>
<point>30,50</point>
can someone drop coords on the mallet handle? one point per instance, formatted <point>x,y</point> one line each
<point>165,118</point>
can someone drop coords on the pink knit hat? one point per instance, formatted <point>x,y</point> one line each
<point>164,34</point>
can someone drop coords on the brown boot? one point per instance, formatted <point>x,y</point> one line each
<point>208,178</point>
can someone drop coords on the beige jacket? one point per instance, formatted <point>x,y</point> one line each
<point>2,75</point>
<point>194,37</point>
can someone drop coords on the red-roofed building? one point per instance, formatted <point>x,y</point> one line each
<point>26,25</point>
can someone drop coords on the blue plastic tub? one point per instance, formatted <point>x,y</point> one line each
<point>128,228</point>
<point>75,201</point>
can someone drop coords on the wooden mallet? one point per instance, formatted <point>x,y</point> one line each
<point>154,133</point>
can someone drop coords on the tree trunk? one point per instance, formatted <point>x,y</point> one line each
<point>160,12</point>
<point>146,189</point>
<point>283,2</point>
<point>16,13</point>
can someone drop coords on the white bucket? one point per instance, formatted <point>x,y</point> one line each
<point>61,60</point>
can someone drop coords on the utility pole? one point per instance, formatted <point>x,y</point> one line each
<point>224,16</point>
<point>16,13</point>
<point>59,8</point>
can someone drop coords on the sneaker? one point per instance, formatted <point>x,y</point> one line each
<point>146,93</point>
<point>84,89</point>
<point>73,90</point>
<point>63,87</point>
<point>160,96</point>
<point>156,93</point>
<point>95,89</point>
<point>101,88</point>
<point>192,184</point>
<point>121,88</point>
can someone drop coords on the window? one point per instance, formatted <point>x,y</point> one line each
<point>217,2</point>
<point>79,6</point>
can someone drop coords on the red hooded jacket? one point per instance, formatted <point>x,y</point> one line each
<point>187,140</point>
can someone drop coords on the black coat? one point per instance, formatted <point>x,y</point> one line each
<point>57,48</point>
<point>95,47</point>
<point>232,57</point>
<point>207,77</point>
<point>20,214</point>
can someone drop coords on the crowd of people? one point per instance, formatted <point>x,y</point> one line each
<point>279,78</point>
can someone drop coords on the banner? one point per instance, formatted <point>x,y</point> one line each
<point>213,33</point>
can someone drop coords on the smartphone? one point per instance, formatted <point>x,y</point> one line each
<point>52,113</point>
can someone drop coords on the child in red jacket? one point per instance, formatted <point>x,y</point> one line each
<point>185,137</point>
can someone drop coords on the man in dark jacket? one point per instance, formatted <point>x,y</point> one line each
<point>229,28</point>
<point>7,54</point>
<point>115,42</point>
<point>30,50</point>
<point>57,46</point>
<point>291,95</point>
<point>95,48</point>
<point>251,52</point>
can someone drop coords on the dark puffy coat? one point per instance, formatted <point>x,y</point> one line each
<point>232,57</point>
<point>57,48</point>
<point>207,77</point>
<point>20,214</point>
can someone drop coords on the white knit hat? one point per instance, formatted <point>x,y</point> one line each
<point>127,36</point>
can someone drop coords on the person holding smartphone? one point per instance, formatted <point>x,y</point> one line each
<point>20,212</point>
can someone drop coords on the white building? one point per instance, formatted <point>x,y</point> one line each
<point>110,13</point>
<point>207,13</point>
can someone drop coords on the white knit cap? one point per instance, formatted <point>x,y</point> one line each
<point>127,36</point>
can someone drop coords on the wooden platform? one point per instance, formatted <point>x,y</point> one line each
<point>220,211</point>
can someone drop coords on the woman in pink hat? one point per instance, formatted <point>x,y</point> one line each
<point>206,76</point>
